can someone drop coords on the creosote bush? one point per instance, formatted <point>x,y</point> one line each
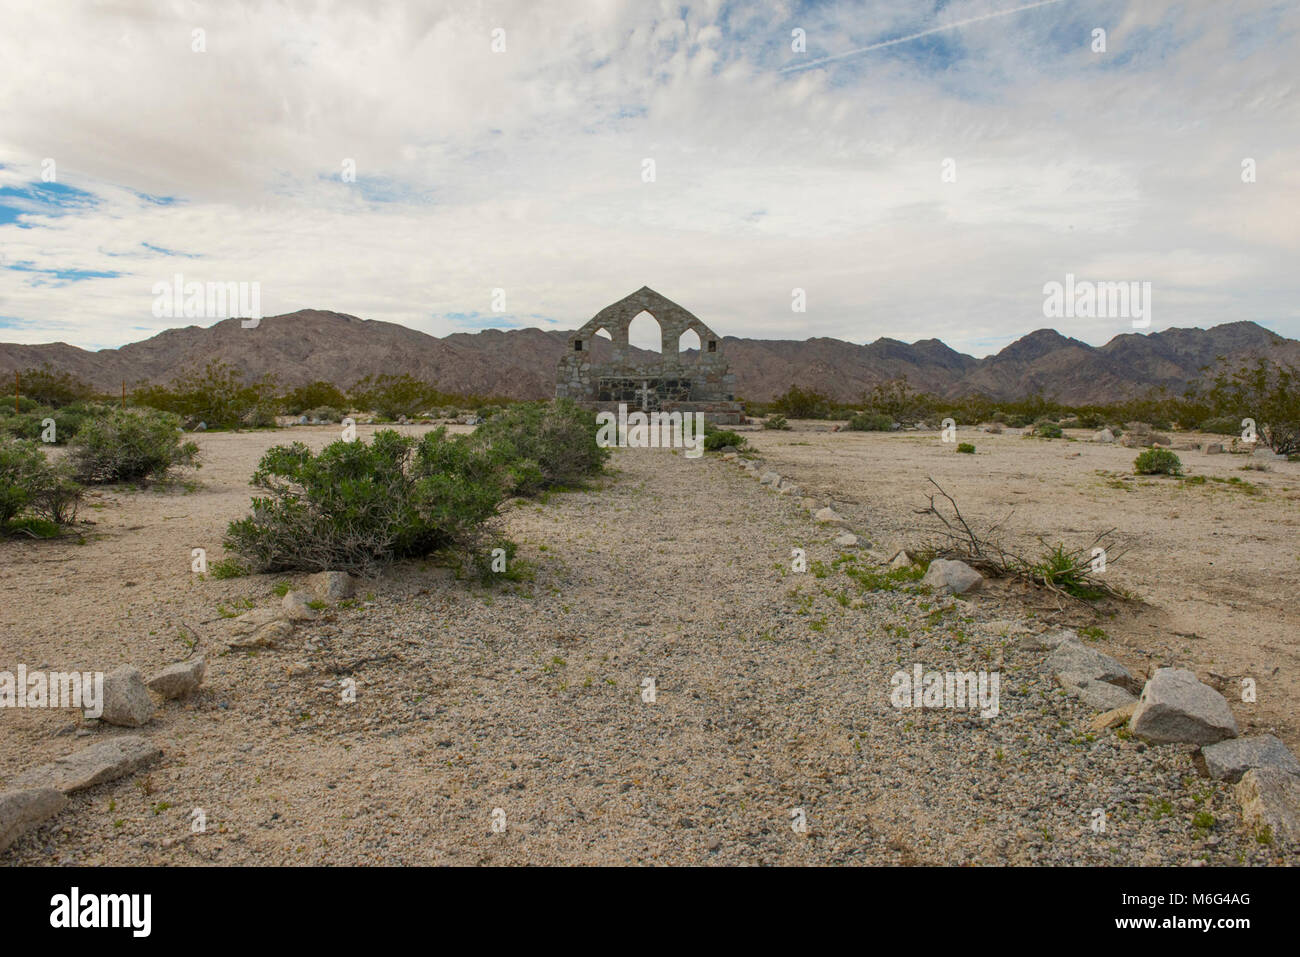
<point>545,445</point>
<point>871,422</point>
<point>1158,462</point>
<point>966,448</point>
<point>722,438</point>
<point>125,445</point>
<point>29,483</point>
<point>777,422</point>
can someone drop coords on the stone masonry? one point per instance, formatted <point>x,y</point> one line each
<point>673,383</point>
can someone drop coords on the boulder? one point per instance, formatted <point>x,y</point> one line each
<point>126,698</point>
<point>180,679</point>
<point>769,478</point>
<point>105,761</point>
<point>1270,802</point>
<point>1212,448</point>
<point>1096,694</point>
<point>952,577</point>
<point>265,636</point>
<point>20,811</point>
<point>901,560</point>
<point>1229,760</point>
<point>1105,435</point>
<point>331,586</point>
<point>846,540</point>
<point>251,621</point>
<point>1176,707</point>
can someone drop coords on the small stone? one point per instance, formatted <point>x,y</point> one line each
<point>1048,640</point>
<point>1229,760</point>
<point>769,478</point>
<point>1105,436</point>
<point>331,586</point>
<point>105,761</point>
<point>298,669</point>
<point>828,516</point>
<point>1270,803</point>
<point>1071,657</point>
<point>20,811</point>
<point>180,679</point>
<point>126,698</point>
<point>266,636</point>
<point>846,540</point>
<point>1113,718</point>
<point>295,607</point>
<point>1213,448</point>
<point>1175,707</point>
<point>952,577</point>
<point>901,560</point>
<point>1105,696</point>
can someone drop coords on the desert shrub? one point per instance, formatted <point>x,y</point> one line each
<point>28,482</point>
<point>715,439</point>
<point>393,396</point>
<point>871,422</point>
<point>777,422</point>
<point>800,403</point>
<point>218,395</point>
<point>48,387</point>
<point>314,395</point>
<point>353,507</point>
<point>1267,392</point>
<point>324,413</point>
<point>1048,430</point>
<point>1158,462</point>
<point>966,448</point>
<point>126,445</point>
<point>67,421</point>
<point>558,438</point>
<point>1221,425</point>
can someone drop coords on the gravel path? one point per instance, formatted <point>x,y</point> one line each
<point>772,694</point>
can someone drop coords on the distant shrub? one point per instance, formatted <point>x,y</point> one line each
<point>558,438</point>
<point>1158,462</point>
<point>966,448</point>
<point>1048,430</point>
<point>777,422</point>
<point>324,413</point>
<point>218,395</point>
<point>355,506</point>
<point>871,422</point>
<point>715,439</point>
<point>800,403</point>
<point>314,395</point>
<point>126,445</point>
<point>393,396</point>
<point>49,387</point>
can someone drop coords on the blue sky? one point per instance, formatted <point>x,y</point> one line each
<point>521,171</point>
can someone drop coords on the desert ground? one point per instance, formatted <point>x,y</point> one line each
<point>772,688</point>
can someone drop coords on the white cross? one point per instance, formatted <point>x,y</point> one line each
<point>645,393</point>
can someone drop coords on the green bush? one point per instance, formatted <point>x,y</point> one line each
<point>800,403</point>
<point>48,387</point>
<point>324,413</point>
<point>353,507</point>
<point>125,445</point>
<point>28,482</point>
<point>1048,430</point>
<point>557,439</point>
<point>1158,462</point>
<point>314,395</point>
<point>777,422</point>
<point>216,395</point>
<point>966,448</point>
<point>393,396</point>
<point>871,422</point>
<point>1221,425</point>
<point>721,439</point>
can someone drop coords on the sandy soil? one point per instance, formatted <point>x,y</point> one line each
<point>772,688</point>
<point>1216,566</point>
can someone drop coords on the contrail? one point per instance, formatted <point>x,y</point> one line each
<point>914,36</point>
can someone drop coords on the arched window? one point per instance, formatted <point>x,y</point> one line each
<point>688,346</point>
<point>644,333</point>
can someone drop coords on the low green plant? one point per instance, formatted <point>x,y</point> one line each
<point>126,445</point>
<point>1157,462</point>
<point>966,448</point>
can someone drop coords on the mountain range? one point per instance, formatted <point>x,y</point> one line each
<point>311,344</point>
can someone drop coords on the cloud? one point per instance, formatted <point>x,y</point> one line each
<point>523,170</point>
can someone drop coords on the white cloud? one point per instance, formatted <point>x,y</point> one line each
<point>522,170</point>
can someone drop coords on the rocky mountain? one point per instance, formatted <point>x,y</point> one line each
<point>312,344</point>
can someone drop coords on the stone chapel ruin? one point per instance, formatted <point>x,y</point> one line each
<point>675,382</point>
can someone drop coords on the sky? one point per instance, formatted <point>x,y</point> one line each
<point>917,168</point>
